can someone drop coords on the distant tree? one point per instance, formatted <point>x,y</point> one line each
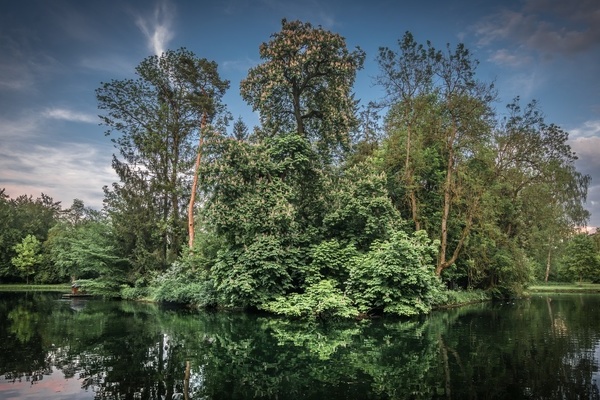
<point>240,130</point>
<point>77,212</point>
<point>28,256</point>
<point>580,260</point>
<point>19,217</point>
<point>304,85</point>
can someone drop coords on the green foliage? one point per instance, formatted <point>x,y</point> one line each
<point>396,276</point>
<point>454,298</point>
<point>322,299</point>
<point>330,259</point>
<point>180,284</point>
<point>157,118</point>
<point>304,84</point>
<point>255,274</point>
<point>360,210</point>
<point>581,259</point>
<point>28,256</point>
<point>85,251</point>
<point>19,217</point>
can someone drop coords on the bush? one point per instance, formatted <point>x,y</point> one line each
<point>396,276</point>
<point>321,300</point>
<point>180,284</point>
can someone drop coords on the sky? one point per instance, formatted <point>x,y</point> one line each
<point>55,54</point>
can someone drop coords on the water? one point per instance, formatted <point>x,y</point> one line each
<point>546,347</point>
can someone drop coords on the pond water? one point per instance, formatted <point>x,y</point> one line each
<point>545,347</point>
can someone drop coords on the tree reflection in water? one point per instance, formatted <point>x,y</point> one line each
<point>543,348</point>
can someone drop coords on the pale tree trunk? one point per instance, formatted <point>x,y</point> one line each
<point>548,261</point>
<point>195,184</point>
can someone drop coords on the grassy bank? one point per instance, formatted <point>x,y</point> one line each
<point>584,287</point>
<point>63,287</point>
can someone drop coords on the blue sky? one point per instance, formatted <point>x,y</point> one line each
<point>54,54</point>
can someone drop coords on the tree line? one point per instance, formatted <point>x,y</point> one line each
<point>329,207</point>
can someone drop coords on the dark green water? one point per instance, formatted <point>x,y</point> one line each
<point>546,347</point>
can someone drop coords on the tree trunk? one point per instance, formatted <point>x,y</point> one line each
<point>548,264</point>
<point>442,264</point>
<point>195,184</point>
<point>409,179</point>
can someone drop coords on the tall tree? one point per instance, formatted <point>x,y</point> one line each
<point>437,99</point>
<point>407,77</point>
<point>304,85</point>
<point>159,116</point>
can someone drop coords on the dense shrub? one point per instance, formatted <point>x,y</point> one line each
<point>396,276</point>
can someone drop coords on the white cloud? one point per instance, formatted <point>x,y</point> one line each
<point>588,129</point>
<point>71,170</point>
<point>69,115</point>
<point>32,161</point>
<point>157,27</point>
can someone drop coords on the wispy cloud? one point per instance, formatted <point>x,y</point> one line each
<point>77,171</point>
<point>508,58</point>
<point>158,27</point>
<point>69,115</point>
<point>548,27</point>
<point>112,63</point>
<point>31,162</point>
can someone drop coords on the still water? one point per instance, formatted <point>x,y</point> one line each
<point>545,347</point>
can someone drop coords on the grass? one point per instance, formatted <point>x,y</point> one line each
<point>562,287</point>
<point>20,287</point>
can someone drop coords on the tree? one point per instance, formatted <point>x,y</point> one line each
<point>535,181</point>
<point>438,100</point>
<point>159,116</point>
<point>257,203</point>
<point>28,256</point>
<point>581,259</point>
<point>85,250</point>
<point>304,84</point>
<point>240,130</point>
<point>19,217</point>
<point>407,77</point>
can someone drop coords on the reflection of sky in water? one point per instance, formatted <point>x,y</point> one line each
<point>50,387</point>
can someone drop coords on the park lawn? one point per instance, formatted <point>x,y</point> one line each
<point>20,287</point>
<point>584,287</point>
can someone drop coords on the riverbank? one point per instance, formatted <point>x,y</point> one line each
<point>584,287</point>
<point>19,287</point>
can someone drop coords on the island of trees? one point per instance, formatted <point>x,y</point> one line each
<point>329,208</point>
